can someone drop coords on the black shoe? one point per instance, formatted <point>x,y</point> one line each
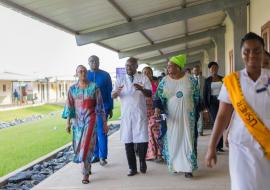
<point>188,175</point>
<point>220,150</point>
<point>132,172</point>
<point>201,133</point>
<point>143,167</point>
<point>103,162</point>
<point>95,160</point>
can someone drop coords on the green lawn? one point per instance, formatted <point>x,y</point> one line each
<point>116,111</point>
<point>25,112</point>
<point>24,143</point>
<point>19,145</point>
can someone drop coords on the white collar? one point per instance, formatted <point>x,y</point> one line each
<point>259,80</point>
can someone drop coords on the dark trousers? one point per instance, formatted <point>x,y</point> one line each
<point>213,109</point>
<point>130,152</point>
<point>197,116</point>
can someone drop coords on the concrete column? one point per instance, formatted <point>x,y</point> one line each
<point>204,70</point>
<point>211,54</point>
<point>205,60</point>
<point>57,90</point>
<point>238,16</point>
<point>191,65</point>
<point>219,40</point>
<point>47,89</point>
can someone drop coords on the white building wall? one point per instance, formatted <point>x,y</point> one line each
<point>5,96</point>
<point>259,14</point>
<point>228,42</point>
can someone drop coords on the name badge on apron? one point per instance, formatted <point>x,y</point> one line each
<point>266,86</point>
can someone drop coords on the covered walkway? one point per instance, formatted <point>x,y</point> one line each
<point>113,176</point>
<point>151,30</point>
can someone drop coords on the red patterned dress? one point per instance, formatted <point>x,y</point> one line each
<point>153,151</point>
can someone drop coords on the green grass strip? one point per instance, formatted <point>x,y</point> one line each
<point>19,145</point>
<point>24,143</point>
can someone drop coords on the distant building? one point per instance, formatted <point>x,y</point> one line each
<point>48,89</point>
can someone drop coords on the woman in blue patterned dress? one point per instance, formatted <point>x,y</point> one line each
<point>175,95</point>
<point>83,104</point>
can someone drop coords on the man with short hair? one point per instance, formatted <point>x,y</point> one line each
<point>133,88</point>
<point>104,82</point>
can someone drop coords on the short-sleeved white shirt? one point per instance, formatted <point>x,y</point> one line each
<point>260,103</point>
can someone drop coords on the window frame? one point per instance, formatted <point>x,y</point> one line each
<point>265,34</point>
<point>4,88</point>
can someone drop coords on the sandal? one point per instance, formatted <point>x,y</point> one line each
<point>85,181</point>
<point>188,175</point>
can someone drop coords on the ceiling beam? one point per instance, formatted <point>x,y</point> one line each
<point>107,47</point>
<point>164,65</point>
<point>184,51</point>
<point>172,42</point>
<point>120,10</point>
<point>190,59</point>
<point>158,63</point>
<point>198,62</point>
<point>156,20</point>
<point>129,19</point>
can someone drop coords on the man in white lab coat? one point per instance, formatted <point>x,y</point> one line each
<point>133,88</point>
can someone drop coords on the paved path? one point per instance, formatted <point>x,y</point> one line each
<point>113,176</point>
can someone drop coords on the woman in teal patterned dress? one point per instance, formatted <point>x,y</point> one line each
<point>84,104</point>
<point>175,95</point>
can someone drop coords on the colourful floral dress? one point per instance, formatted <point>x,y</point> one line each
<point>83,106</point>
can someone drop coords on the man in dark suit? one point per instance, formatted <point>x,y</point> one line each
<point>199,107</point>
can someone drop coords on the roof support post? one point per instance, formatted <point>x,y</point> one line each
<point>211,52</point>
<point>219,40</point>
<point>238,16</point>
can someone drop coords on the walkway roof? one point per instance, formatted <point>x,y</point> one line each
<point>9,76</point>
<point>150,30</point>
